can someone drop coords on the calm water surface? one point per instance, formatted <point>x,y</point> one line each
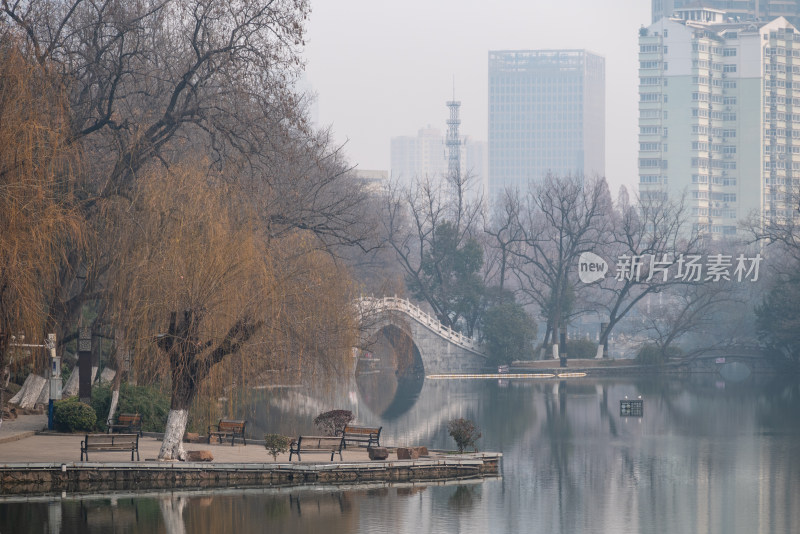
<point>708,456</point>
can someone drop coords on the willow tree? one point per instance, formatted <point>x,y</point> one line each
<point>146,81</point>
<point>38,222</point>
<point>205,299</point>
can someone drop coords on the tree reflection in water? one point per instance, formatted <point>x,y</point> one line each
<point>708,456</point>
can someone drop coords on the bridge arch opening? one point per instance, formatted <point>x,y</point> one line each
<point>390,375</point>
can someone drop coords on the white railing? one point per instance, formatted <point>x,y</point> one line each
<point>372,304</point>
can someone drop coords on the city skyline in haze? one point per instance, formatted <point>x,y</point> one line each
<point>380,70</point>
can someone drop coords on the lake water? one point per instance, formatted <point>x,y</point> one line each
<point>708,456</point>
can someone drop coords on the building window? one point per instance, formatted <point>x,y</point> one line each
<point>649,162</point>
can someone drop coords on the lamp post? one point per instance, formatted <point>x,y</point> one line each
<point>55,371</point>
<point>55,378</point>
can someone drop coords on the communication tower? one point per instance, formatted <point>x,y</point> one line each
<point>453,140</point>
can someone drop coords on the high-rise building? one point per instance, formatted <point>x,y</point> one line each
<point>546,114</point>
<point>418,156</point>
<point>737,10</point>
<point>426,155</point>
<point>719,116</point>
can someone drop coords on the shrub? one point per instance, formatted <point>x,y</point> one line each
<point>276,444</point>
<point>581,349</point>
<point>509,333</point>
<point>70,415</point>
<point>333,421</point>
<point>149,402</point>
<point>464,432</point>
<point>651,354</point>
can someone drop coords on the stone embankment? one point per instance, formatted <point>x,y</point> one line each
<point>47,463</point>
<point>35,478</point>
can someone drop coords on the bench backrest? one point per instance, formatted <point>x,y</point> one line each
<point>129,419</point>
<point>330,443</point>
<point>106,440</point>
<point>366,430</point>
<point>231,425</point>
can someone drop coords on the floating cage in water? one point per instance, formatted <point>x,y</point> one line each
<point>631,408</point>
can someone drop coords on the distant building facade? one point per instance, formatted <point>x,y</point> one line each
<point>743,10</point>
<point>719,116</point>
<point>425,155</point>
<point>546,114</point>
<point>374,181</point>
<point>418,156</point>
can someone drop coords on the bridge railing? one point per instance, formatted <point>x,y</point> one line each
<point>425,319</point>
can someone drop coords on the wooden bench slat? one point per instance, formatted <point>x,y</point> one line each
<point>130,422</point>
<point>362,434</point>
<point>110,443</point>
<point>228,428</point>
<point>333,444</point>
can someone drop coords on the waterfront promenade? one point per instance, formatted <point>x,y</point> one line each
<point>35,463</point>
<point>20,443</point>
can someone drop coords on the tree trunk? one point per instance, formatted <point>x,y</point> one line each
<point>184,375</point>
<point>117,378</point>
<point>31,390</point>
<point>172,446</point>
<point>113,408</point>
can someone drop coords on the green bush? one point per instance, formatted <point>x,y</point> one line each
<point>149,402</point>
<point>72,415</point>
<point>509,333</point>
<point>581,349</point>
<point>276,444</point>
<point>651,354</point>
<point>464,432</point>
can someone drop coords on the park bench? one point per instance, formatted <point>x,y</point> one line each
<point>371,436</point>
<point>228,428</point>
<point>127,423</point>
<point>333,444</point>
<point>110,442</point>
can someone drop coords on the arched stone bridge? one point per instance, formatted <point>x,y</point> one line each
<point>414,334</point>
<point>725,359</point>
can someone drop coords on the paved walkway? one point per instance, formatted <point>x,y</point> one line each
<point>18,444</point>
<point>21,427</point>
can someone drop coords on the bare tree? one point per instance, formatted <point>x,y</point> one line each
<point>504,234</point>
<point>561,217</point>
<point>682,311</point>
<point>431,228</point>
<point>649,238</point>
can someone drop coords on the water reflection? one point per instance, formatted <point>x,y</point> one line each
<point>299,509</point>
<point>390,376</point>
<point>703,459</point>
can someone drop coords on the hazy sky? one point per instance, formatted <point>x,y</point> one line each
<point>383,69</point>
